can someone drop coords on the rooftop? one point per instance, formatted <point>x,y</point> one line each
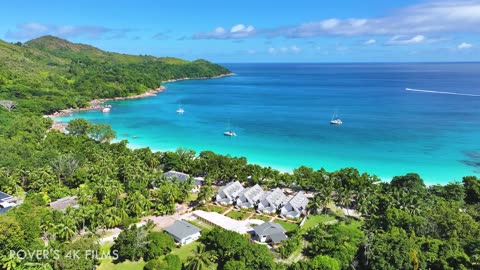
<point>276,197</point>
<point>299,200</point>
<point>4,196</point>
<point>181,229</point>
<point>223,221</point>
<point>269,228</point>
<point>64,203</point>
<point>182,177</point>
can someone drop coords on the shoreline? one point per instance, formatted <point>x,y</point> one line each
<point>97,104</point>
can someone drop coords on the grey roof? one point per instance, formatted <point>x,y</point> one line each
<point>276,197</point>
<point>4,196</point>
<point>232,189</point>
<point>181,229</point>
<point>299,201</point>
<point>269,228</point>
<point>252,194</point>
<point>3,210</point>
<point>64,203</point>
<point>182,177</point>
<point>278,237</point>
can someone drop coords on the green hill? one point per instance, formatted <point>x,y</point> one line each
<point>49,73</point>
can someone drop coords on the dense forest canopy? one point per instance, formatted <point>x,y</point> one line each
<point>49,73</point>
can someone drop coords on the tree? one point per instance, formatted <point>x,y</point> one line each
<point>201,259</point>
<point>78,126</point>
<point>11,235</point>
<point>472,189</point>
<point>130,244</point>
<point>322,262</point>
<point>411,183</point>
<point>158,244</point>
<point>235,265</point>
<point>101,132</point>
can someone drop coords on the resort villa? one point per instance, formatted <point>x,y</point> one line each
<point>183,232</point>
<point>183,177</point>
<point>272,200</point>
<point>266,201</point>
<point>295,207</point>
<point>6,202</point>
<point>248,197</point>
<point>270,232</point>
<point>228,194</point>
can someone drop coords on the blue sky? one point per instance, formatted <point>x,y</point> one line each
<point>259,31</point>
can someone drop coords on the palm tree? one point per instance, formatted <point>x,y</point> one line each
<point>201,259</point>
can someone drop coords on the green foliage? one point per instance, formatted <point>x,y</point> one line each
<point>169,262</point>
<point>48,73</point>
<point>130,244</point>
<point>159,243</point>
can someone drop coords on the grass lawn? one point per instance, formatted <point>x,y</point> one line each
<point>202,225</point>
<point>314,220</point>
<point>237,215</point>
<point>217,208</point>
<point>108,265</point>
<point>288,226</point>
<point>260,217</point>
<point>186,250</point>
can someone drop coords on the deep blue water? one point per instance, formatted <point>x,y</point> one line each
<point>281,113</point>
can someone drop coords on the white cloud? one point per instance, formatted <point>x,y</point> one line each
<point>405,40</point>
<point>430,18</point>
<point>34,30</point>
<point>464,46</point>
<point>295,49</point>
<point>285,50</point>
<point>370,42</point>
<point>236,32</point>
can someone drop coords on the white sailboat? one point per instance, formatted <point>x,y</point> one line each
<point>335,120</point>
<point>180,110</point>
<point>229,131</point>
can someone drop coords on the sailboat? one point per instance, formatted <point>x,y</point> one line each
<point>335,120</point>
<point>180,110</point>
<point>229,132</point>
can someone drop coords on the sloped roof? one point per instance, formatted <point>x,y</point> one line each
<point>182,177</point>
<point>276,197</point>
<point>64,203</point>
<point>269,228</point>
<point>299,201</point>
<point>252,193</point>
<point>4,196</point>
<point>181,229</point>
<point>278,237</point>
<point>232,188</point>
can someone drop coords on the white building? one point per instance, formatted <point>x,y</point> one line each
<point>295,206</point>
<point>270,232</point>
<point>272,200</point>
<point>183,232</point>
<point>250,196</point>
<point>228,194</point>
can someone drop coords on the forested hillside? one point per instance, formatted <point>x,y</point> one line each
<point>49,73</point>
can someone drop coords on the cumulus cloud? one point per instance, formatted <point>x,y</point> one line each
<point>464,46</point>
<point>236,31</point>
<point>161,35</point>
<point>370,42</point>
<point>34,30</point>
<point>429,18</point>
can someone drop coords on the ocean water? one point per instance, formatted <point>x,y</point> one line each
<point>281,114</point>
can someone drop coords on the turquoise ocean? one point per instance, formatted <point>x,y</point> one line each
<point>281,114</point>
